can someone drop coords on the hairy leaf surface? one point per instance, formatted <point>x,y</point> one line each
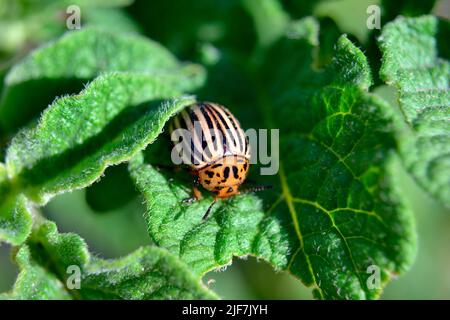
<point>34,281</point>
<point>48,261</point>
<point>413,64</point>
<point>64,65</point>
<point>79,136</point>
<point>334,212</point>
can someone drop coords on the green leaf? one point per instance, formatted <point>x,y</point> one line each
<point>59,250</point>
<point>15,217</point>
<point>43,263</point>
<point>34,281</point>
<point>111,19</point>
<point>85,53</point>
<point>269,18</point>
<point>20,19</point>
<point>333,212</point>
<point>179,228</point>
<point>147,273</point>
<point>79,136</point>
<point>336,201</point>
<point>64,65</point>
<point>412,64</point>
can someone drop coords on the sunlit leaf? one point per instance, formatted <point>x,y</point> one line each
<point>334,211</point>
<point>77,137</point>
<point>65,65</point>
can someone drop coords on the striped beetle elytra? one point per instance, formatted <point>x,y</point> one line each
<point>215,148</point>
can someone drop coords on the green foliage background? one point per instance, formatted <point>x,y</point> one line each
<point>250,56</point>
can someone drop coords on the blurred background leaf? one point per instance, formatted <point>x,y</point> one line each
<point>27,23</point>
<point>411,64</point>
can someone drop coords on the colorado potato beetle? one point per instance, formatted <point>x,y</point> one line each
<point>210,140</point>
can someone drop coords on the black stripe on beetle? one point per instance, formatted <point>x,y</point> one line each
<point>218,151</point>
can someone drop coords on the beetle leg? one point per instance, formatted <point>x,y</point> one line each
<point>205,216</point>
<point>189,200</point>
<point>196,194</point>
<point>256,189</point>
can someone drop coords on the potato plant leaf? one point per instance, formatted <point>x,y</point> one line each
<point>15,216</point>
<point>34,282</point>
<point>92,51</point>
<point>24,22</point>
<point>147,273</point>
<point>336,196</point>
<point>412,63</point>
<point>64,65</point>
<point>333,214</point>
<point>78,136</point>
<point>179,228</point>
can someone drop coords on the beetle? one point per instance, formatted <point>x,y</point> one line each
<point>215,148</point>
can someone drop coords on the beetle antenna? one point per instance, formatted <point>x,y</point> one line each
<point>257,189</point>
<point>209,210</point>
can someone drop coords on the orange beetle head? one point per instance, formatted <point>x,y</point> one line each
<point>224,176</point>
